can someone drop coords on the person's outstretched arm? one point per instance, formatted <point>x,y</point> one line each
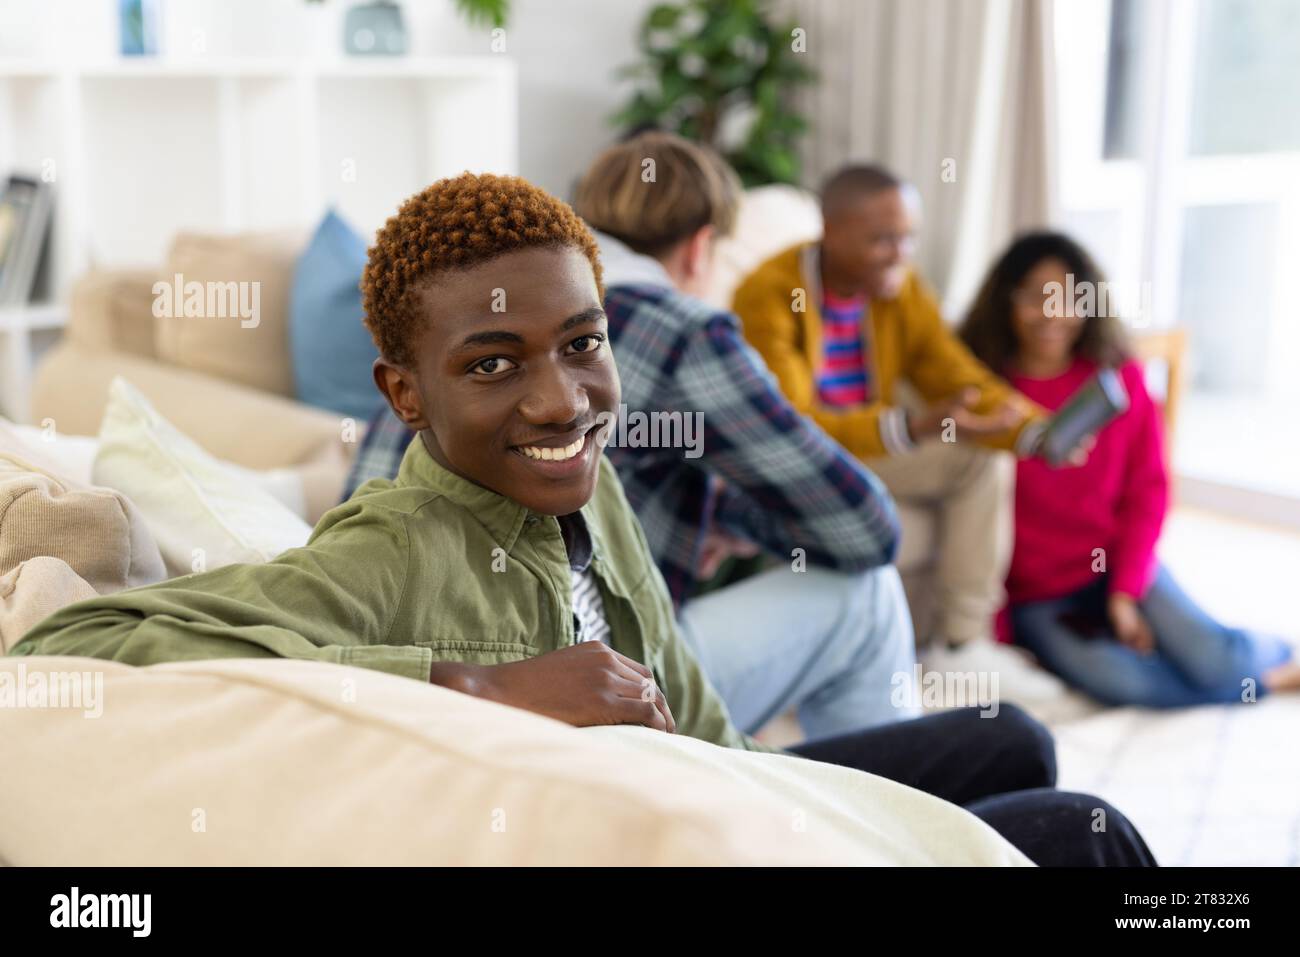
<point>333,601</point>
<point>944,370</point>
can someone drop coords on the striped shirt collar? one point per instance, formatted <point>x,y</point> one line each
<point>577,540</point>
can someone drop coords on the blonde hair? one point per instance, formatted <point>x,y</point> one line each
<point>656,189</point>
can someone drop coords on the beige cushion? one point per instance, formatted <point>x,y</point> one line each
<point>255,355</point>
<point>32,592</point>
<point>234,422</point>
<point>263,762</point>
<point>203,512</point>
<point>770,219</point>
<point>112,309</point>
<point>98,532</point>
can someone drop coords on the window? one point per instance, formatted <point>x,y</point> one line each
<point>1182,171</point>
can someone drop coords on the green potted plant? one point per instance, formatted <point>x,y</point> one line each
<point>484,13</point>
<point>722,72</point>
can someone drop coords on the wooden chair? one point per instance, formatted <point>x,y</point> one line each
<point>1169,347</point>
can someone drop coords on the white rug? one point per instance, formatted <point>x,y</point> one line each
<point>1218,785</point>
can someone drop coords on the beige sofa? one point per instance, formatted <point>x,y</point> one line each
<point>227,386</point>
<point>273,761</point>
<point>279,762</point>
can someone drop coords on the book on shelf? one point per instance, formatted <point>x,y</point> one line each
<point>26,204</point>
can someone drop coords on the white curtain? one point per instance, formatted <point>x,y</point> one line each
<point>933,86</point>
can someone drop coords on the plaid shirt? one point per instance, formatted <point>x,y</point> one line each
<point>785,484</point>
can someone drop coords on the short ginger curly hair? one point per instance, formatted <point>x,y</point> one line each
<point>458,223</point>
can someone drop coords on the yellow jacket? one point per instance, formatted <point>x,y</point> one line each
<point>906,339</point>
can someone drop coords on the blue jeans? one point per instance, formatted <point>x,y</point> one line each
<point>1196,660</point>
<point>834,645</point>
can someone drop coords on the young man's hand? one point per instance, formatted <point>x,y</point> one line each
<point>1130,626</point>
<point>718,546</point>
<point>585,684</point>
<point>931,422</point>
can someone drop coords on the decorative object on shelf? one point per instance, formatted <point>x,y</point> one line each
<point>484,13</point>
<point>24,227</point>
<point>721,72</point>
<point>139,27</point>
<point>375,28</point>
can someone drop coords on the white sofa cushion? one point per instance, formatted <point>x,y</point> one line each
<point>203,513</point>
<point>770,219</point>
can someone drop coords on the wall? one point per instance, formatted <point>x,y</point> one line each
<point>566,50</point>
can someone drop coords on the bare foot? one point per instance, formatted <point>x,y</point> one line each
<point>1285,677</point>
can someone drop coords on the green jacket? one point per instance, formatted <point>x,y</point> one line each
<point>429,567</point>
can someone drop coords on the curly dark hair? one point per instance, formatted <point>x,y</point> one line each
<point>457,223</point>
<point>988,331</point>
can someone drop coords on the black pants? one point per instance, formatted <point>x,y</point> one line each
<point>1003,770</point>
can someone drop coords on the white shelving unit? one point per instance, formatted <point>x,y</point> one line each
<point>139,149</point>
<point>24,332</point>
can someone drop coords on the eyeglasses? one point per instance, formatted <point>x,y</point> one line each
<point>904,242</point>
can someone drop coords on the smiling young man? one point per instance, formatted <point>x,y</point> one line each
<point>504,561</point>
<point>832,638</point>
<point>483,556</point>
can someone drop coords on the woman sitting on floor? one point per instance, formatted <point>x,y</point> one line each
<point>1087,594</point>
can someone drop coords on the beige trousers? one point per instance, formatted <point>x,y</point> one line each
<point>968,490</point>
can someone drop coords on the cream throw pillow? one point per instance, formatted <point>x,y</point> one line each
<point>98,532</point>
<point>67,456</point>
<point>202,513</point>
<point>32,592</point>
<point>73,457</point>
<point>302,763</point>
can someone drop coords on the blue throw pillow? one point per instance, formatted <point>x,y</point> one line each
<point>332,350</point>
